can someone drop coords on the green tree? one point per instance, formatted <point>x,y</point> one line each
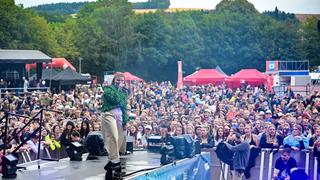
<point>64,34</point>
<point>105,37</point>
<point>152,4</point>
<point>236,6</point>
<point>310,41</point>
<point>153,44</point>
<point>60,8</point>
<point>24,29</point>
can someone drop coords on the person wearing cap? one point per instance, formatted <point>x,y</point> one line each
<point>148,130</point>
<point>197,120</point>
<point>268,113</point>
<point>113,120</point>
<point>132,116</point>
<point>206,117</point>
<point>261,114</point>
<point>146,135</point>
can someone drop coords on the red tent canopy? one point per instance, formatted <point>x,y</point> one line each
<point>57,63</point>
<point>130,77</point>
<point>250,76</point>
<point>205,76</point>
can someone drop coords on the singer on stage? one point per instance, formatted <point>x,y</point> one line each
<point>113,120</point>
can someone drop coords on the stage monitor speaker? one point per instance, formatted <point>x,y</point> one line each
<point>9,166</point>
<point>75,151</point>
<point>129,146</point>
<point>167,154</point>
<point>95,145</point>
<point>154,144</point>
<point>184,146</point>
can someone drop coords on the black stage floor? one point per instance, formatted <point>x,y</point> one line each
<point>86,169</point>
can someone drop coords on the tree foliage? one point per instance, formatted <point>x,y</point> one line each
<point>152,4</point>
<point>282,16</point>
<point>108,36</point>
<point>311,41</point>
<point>105,36</point>
<point>23,29</point>
<point>59,8</point>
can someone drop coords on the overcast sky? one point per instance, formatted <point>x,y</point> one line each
<point>293,6</point>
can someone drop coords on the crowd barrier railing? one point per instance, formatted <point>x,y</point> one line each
<point>263,169</point>
<point>7,140</point>
<point>265,162</point>
<point>46,153</point>
<point>19,91</point>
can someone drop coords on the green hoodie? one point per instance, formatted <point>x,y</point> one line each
<point>114,98</point>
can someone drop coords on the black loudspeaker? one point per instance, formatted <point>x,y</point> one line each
<point>95,145</point>
<point>318,25</point>
<point>9,166</point>
<point>184,146</point>
<point>39,71</point>
<point>75,151</point>
<point>167,154</point>
<point>129,147</point>
<point>154,144</point>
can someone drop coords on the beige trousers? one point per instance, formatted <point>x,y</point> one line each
<point>114,136</point>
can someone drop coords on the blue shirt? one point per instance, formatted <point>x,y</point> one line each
<point>293,142</point>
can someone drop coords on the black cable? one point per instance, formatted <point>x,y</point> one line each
<point>141,170</point>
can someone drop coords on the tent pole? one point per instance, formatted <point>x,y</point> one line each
<point>50,77</point>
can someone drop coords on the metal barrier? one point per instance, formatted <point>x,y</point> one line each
<point>46,153</point>
<point>265,163</point>
<point>19,91</point>
<point>6,140</point>
<point>303,90</point>
<point>262,171</point>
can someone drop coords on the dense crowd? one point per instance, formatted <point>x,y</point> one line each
<point>209,113</point>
